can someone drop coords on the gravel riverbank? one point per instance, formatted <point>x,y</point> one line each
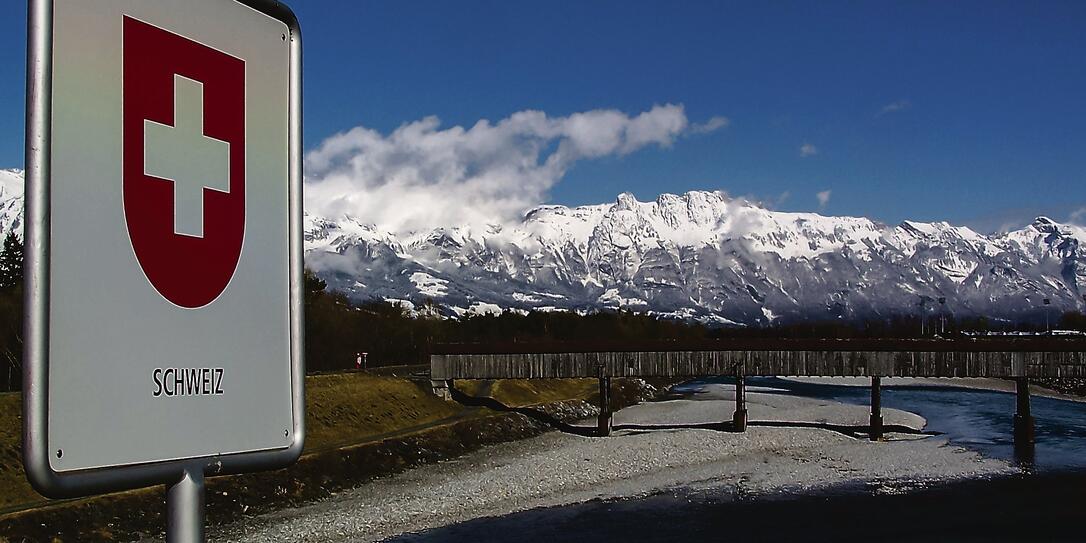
<point>560,469</point>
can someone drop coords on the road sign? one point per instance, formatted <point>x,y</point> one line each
<point>163,275</point>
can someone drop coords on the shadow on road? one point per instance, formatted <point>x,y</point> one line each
<point>534,414</point>
<point>1030,508</point>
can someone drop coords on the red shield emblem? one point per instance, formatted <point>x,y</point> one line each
<point>184,162</point>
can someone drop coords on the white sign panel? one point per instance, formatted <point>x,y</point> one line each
<point>169,254</point>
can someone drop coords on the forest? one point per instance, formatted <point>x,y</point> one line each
<point>337,329</point>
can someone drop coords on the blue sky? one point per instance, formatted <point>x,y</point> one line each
<point>972,112</point>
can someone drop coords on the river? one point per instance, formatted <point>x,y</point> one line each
<point>980,420</point>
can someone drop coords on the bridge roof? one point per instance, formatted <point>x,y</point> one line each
<point>998,344</point>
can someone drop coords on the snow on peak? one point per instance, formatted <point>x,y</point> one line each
<point>697,219</point>
<point>11,201</point>
<point>706,256</point>
<point>700,256</point>
<point>626,201</point>
<point>11,184</point>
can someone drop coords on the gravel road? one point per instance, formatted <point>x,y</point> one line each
<point>560,469</point>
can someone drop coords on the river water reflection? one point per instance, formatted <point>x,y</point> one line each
<point>976,419</point>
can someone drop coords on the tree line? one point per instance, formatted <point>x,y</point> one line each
<point>338,328</point>
<point>11,313</point>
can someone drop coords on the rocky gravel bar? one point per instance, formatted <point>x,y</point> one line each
<point>561,469</point>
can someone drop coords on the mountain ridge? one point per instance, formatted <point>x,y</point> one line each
<point>705,256</point>
<point>702,256</point>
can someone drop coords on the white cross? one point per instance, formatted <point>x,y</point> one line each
<point>183,155</point>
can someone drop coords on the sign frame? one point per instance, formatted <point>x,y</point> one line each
<point>70,484</point>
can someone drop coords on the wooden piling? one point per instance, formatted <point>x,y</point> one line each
<point>604,419</point>
<point>876,408</point>
<point>739,418</point>
<point>1023,418</point>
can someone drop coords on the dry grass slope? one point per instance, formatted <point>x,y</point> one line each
<point>341,410</point>
<point>14,489</point>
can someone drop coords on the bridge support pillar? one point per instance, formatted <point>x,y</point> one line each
<point>1023,419</point>
<point>739,418</point>
<point>876,408</point>
<point>604,420</point>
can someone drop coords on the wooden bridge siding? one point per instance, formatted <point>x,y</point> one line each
<point>755,363</point>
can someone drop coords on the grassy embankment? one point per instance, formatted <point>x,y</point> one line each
<point>342,411</point>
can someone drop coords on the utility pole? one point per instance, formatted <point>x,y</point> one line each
<point>1048,326</point>
<point>923,315</point>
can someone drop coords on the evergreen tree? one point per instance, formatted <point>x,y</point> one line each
<point>11,263</point>
<point>11,313</point>
<point>314,286</point>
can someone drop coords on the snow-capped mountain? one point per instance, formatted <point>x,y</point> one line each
<point>701,255</point>
<point>11,202</point>
<point>705,256</point>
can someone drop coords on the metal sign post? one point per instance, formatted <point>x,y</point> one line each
<point>185,508</point>
<point>163,247</point>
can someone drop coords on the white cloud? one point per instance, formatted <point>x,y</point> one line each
<point>807,150</point>
<point>894,107</point>
<point>712,125</point>
<point>422,175</point>
<point>823,198</point>
<point>1078,217</point>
